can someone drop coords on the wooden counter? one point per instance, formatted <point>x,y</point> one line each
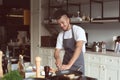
<point>62,78</point>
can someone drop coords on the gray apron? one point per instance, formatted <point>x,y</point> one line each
<point>69,47</point>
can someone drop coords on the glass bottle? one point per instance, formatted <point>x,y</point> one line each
<point>7,52</point>
<point>103,47</point>
<point>117,47</point>
<point>46,69</point>
<point>21,66</point>
<point>7,60</point>
<point>8,65</point>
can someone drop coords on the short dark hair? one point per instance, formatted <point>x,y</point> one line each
<point>59,13</point>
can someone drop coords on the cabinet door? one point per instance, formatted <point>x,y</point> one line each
<point>112,73</point>
<point>94,70</point>
<point>108,73</point>
<point>87,69</point>
<point>119,74</point>
<point>87,65</point>
<point>102,72</point>
<point>112,69</point>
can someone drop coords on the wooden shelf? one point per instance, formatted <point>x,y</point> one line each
<point>77,22</point>
<point>55,6</point>
<point>109,19</point>
<point>17,16</point>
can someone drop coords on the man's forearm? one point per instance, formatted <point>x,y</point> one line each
<point>56,54</point>
<point>76,53</point>
<point>75,56</point>
<point>57,58</point>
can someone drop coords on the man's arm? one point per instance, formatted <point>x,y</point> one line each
<point>76,54</point>
<point>57,58</point>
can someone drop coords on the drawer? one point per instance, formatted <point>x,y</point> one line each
<point>113,61</point>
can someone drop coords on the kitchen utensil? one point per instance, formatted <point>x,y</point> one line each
<point>68,71</point>
<point>96,46</point>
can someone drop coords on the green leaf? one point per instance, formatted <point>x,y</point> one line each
<point>12,75</point>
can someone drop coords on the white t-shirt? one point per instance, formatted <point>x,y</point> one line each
<point>79,34</point>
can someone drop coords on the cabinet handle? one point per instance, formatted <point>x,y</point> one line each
<point>93,58</point>
<point>109,78</point>
<point>100,66</point>
<point>103,67</point>
<point>111,60</point>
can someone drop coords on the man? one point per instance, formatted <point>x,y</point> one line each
<point>73,40</point>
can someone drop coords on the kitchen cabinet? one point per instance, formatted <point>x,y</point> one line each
<point>92,65</point>
<point>111,73</point>
<point>16,13</point>
<point>102,67</point>
<point>111,67</point>
<point>53,5</point>
<point>15,17</point>
<point>102,18</point>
